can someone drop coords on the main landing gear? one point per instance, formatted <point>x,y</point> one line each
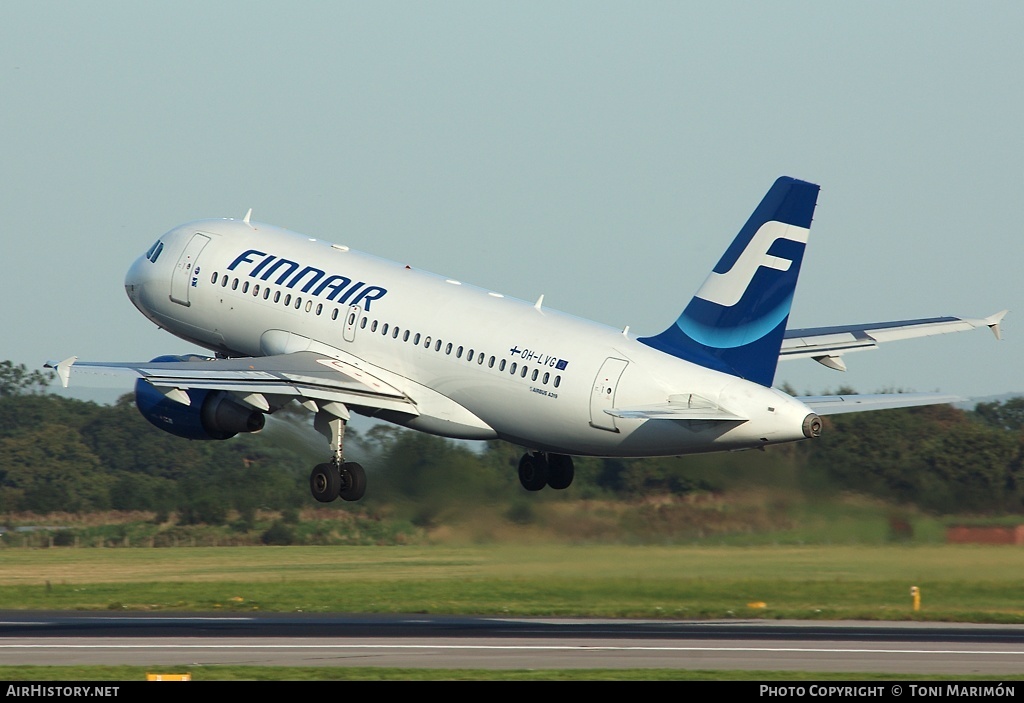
<point>336,478</point>
<point>330,481</point>
<point>539,469</point>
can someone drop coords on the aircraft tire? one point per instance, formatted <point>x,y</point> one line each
<point>533,471</point>
<point>325,482</point>
<point>353,481</point>
<point>560,471</point>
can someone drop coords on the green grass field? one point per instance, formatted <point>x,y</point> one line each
<point>969,583</point>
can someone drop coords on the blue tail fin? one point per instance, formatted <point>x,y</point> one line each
<point>736,321</point>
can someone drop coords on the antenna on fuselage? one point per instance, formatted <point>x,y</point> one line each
<point>539,301</point>
<point>247,216</point>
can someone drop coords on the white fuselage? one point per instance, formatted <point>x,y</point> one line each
<point>477,365</point>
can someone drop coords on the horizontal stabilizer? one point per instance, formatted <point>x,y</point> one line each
<point>838,404</point>
<point>679,407</point>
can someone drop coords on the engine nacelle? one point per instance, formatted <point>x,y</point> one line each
<point>211,414</point>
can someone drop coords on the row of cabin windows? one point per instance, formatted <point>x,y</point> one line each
<point>288,300</point>
<point>502,364</point>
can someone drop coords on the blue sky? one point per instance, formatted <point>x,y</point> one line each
<point>600,153</point>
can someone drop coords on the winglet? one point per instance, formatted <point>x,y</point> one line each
<point>993,323</point>
<point>63,369</point>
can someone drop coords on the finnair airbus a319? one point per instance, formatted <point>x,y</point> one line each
<point>289,317</point>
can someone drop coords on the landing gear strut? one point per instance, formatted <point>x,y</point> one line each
<point>539,469</point>
<point>337,478</point>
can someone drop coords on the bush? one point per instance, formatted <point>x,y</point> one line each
<point>278,534</point>
<point>204,510</point>
<point>521,513</point>
<point>64,538</point>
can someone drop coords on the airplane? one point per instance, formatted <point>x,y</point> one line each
<point>289,318</point>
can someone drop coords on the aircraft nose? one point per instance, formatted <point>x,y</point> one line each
<point>135,279</point>
<point>140,274</point>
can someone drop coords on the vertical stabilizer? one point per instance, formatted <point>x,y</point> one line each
<point>736,321</point>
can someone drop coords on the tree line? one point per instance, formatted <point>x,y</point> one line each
<point>64,455</point>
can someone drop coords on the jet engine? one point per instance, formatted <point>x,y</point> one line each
<point>210,414</point>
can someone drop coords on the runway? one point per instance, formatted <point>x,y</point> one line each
<point>331,640</point>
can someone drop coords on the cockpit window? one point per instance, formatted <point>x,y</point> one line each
<point>154,251</point>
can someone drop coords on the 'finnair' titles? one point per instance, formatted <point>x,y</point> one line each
<point>340,289</point>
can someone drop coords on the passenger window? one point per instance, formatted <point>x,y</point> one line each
<point>245,287</point>
<point>546,377</point>
<point>277,297</point>
<point>266,294</point>
<point>533,376</point>
<point>512,368</point>
<point>373,326</point>
<point>558,379</point>
<point>490,363</point>
<point>458,353</point>
<point>448,349</point>
<point>426,342</point>
<point>334,316</point>
<point>288,300</point>
<point>501,365</point>
<point>214,279</point>
<point>416,339</point>
<point>394,333</point>
<point>384,329</point>
<point>405,337</point>
<point>224,281</point>
<point>480,359</point>
<point>523,374</point>
<point>256,290</point>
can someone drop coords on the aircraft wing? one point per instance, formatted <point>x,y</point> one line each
<point>300,375</point>
<point>837,404</point>
<point>827,344</point>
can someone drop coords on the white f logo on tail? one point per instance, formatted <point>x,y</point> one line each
<point>727,288</point>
